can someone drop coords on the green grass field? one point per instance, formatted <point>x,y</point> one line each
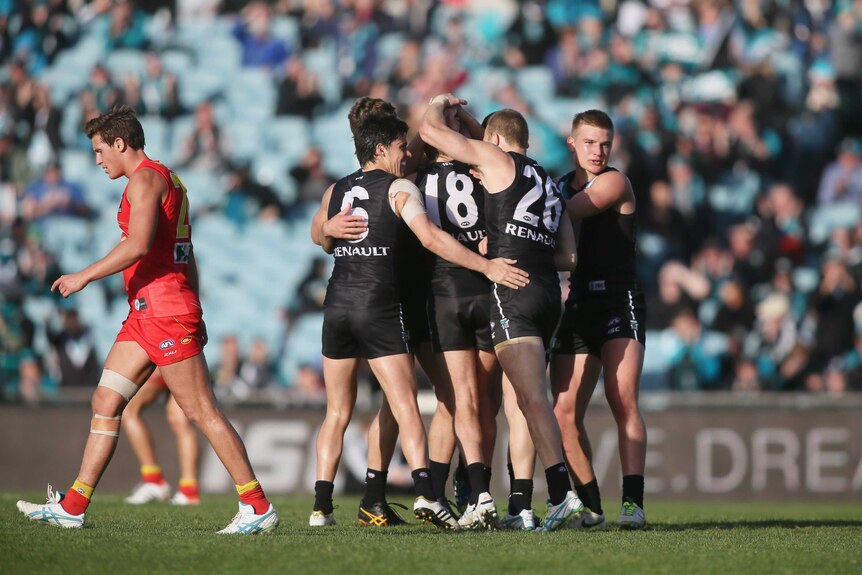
<point>720,537</point>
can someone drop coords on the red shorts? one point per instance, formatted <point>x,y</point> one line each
<point>166,340</point>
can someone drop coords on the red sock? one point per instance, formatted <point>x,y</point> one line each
<point>189,488</point>
<point>152,474</point>
<point>74,503</point>
<point>256,498</point>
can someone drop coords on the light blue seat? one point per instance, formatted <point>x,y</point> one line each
<point>120,63</point>
<point>156,131</point>
<point>251,95</point>
<point>823,219</point>
<point>243,138</point>
<point>290,136</point>
<point>535,83</point>
<point>271,170</point>
<point>200,84</point>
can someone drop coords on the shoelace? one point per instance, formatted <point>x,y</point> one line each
<point>54,498</point>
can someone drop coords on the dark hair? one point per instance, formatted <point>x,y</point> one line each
<point>366,107</point>
<point>121,122</point>
<point>595,118</point>
<point>511,125</point>
<point>377,130</point>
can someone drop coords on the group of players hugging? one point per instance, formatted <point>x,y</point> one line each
<point>447,250</point>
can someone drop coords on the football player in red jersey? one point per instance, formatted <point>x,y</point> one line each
<point>164,328</point>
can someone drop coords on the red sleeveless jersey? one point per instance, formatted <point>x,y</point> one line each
<point>158,284</point>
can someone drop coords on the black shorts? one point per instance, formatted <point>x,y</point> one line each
<point>589,322</point>
<point>415,311</point>
<point>459,323</point>
<point>531,311</point>
<point>364,332</point>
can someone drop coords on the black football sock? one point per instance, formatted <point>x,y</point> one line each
<point>521,497</point>
<point>422,483</point>
<point>323,496</point>
<point>633,488</point>
<point>439,476</point>
<point>476,472</point>
<point>558,482</point>
<point>375,487</point>
<point>589,495</point>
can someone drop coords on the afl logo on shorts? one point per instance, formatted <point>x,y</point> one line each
<point>167,344</point>
<point>140,304</point>
<point>187,340</point>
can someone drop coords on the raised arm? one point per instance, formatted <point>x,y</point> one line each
<point>144,193</point>
<point>496,167</point>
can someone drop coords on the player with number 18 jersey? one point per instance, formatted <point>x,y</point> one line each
<point>458,307</point>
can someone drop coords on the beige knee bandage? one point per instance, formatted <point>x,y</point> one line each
<point>116,382</point>
<point>104,425</point>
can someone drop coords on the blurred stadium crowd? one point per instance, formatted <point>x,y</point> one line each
<point>739,123</point>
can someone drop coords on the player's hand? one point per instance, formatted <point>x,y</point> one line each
<point>502,271</point>
<point>448,100</point>
<point>344,226</point>
<point>66,285</point>
<point>483,246</point>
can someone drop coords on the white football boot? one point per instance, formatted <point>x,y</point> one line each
<point>247,522</point>
<point>51,512</point>
<point>434,512</point>
<point>146,492</point>
<point>182,499</point>
<point>321,519</point>
<point>558,515</point>
<point>523,521</point>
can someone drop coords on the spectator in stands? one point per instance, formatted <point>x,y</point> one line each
<point>318,23</point>
<point>54,195</point>
<point>247,199</point>
<point>14,168</point>
<point>312,179</point>
<point>44,128</point>
<point>660,217</point>
<point>769,351</point>
<point>308,383</point>
<point>159,92</point>
<point>255,371</point>
<point>126,28</point>
<point>259,48</point>
<point>102,86</point>
<point>42,34</point>
<point>679,288</point>
<point>16,349</point>
<point>831,307</point>
<point>844,373</point>
<point>529,37</point>
<point>72,357</point>
<point>298,92</point>
<point>697,361</point>
<point>311,291</point>
<point>842,179</point>
<point>37,269</point>
<point>204,149</point>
